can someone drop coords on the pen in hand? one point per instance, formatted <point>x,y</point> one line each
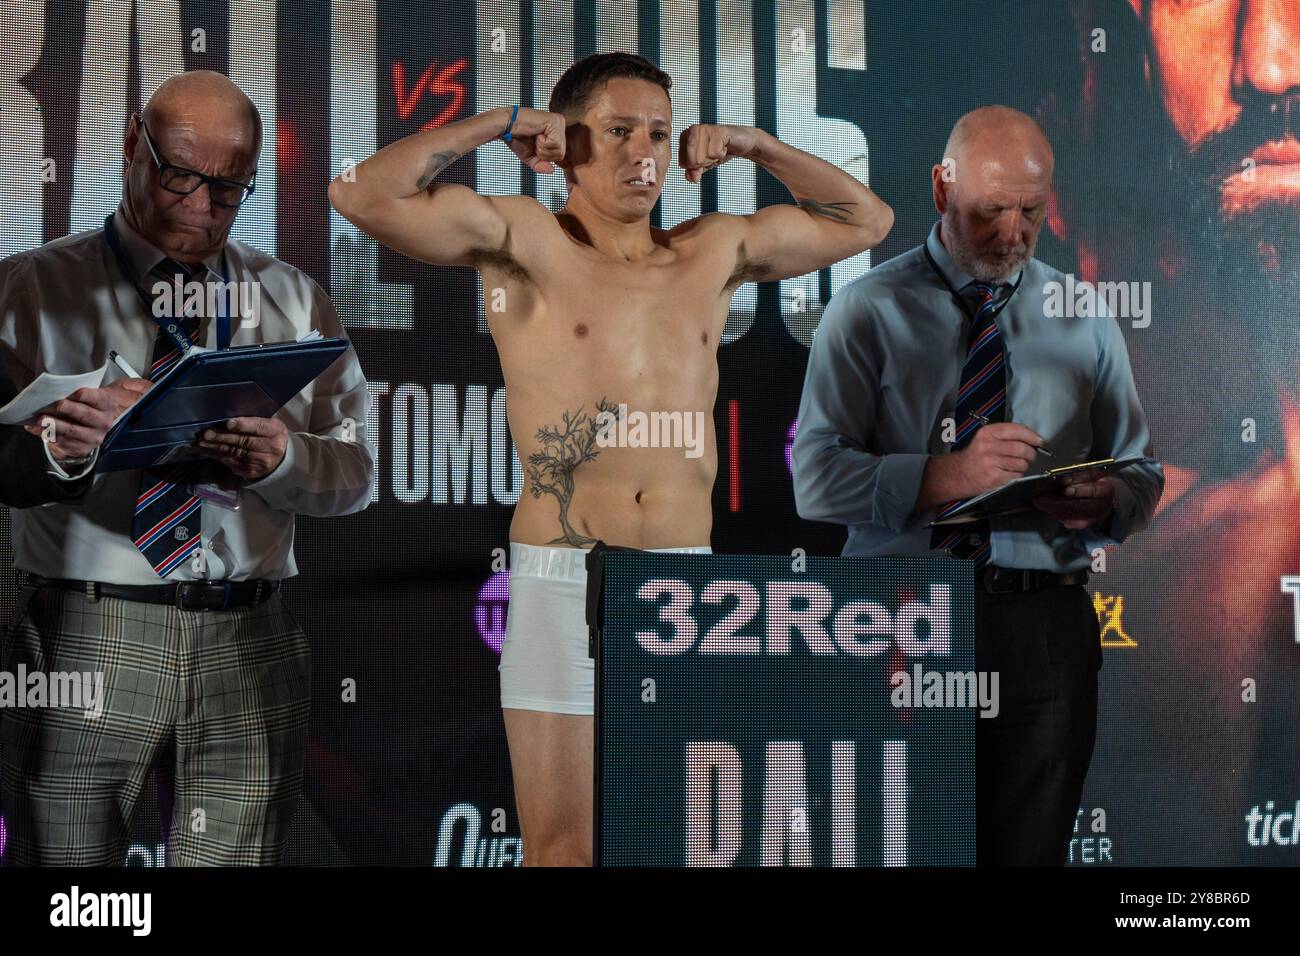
<point>985,421</point>
<point>121,363</point>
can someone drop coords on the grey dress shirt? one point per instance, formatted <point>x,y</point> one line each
<point>883,375</point>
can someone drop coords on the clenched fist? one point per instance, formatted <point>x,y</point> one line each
<point>703,147</point>
<point>537,138</point>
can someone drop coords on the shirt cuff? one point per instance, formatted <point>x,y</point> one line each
<point>1119,524</point>
<point>282,472</point>
<point>57,470</point>
<point>898,483</point>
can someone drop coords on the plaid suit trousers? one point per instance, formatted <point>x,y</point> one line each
<point>223,696</point>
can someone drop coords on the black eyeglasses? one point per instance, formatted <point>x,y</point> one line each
<point>177,179</point>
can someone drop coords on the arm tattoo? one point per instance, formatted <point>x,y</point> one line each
<point>831,210</point>
<point>550,471</point>
<point>437,163</point>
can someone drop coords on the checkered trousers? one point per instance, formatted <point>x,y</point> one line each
<point>223,696</point>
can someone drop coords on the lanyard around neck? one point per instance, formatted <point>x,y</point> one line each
<point>961,299</point>
<point>170,328</point>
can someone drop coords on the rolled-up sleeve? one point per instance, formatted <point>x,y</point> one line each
<point>1119,429</point>
<point>836,479</point>
<point>328,468</point>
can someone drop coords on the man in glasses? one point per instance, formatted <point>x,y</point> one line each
<point>162,584</point>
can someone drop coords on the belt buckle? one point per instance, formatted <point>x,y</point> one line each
<point>205,596</point>
<point>991,578</point>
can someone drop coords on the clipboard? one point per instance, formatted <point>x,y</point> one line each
<point>1016,495</point>
<point>206,388</point>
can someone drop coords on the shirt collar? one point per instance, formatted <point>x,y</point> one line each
<point>957,278</point>
<point>143,255</point>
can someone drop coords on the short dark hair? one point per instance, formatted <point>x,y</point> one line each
<point>589,74</point>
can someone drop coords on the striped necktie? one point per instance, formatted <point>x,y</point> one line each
<point>983,391</point>
<point>166,515</point>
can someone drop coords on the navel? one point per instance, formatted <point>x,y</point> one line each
<point>580,330</point>
<point>704,338</point>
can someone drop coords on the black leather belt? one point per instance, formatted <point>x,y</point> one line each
<point>997,580</point>
<point>188,595</point>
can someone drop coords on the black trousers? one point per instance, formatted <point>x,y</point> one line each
<point>1031,759</point>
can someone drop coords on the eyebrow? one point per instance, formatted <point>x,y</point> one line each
<point>658,121</point>
<point>232,177</point>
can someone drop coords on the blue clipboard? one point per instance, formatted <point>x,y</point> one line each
<point>207,387</point>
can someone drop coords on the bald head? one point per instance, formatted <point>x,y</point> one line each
<point>992,190</point>
<point>203,98</point>
<point>200,121</point>
<point>999,135</point>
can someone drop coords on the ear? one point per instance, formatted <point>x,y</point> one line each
<point>939,188</point>
<point>577,145</point>
<point>132,138</point>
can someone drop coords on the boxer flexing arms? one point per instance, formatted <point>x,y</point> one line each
<point>601,310</point>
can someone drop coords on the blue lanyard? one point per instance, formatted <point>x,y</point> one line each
<point>171,328</point>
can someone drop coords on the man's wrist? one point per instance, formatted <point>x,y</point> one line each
<point>69,468</point>
<point>763,143</point>
<point>283,468</point>
<point>496,120</point>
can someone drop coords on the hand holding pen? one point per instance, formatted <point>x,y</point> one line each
<point>987,421</point>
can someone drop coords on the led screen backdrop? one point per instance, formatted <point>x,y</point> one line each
<point>1172,179</point>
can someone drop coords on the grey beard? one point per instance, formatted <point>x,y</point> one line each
<point>971,264</point>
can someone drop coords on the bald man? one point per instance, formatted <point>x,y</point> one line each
<point>157,591</point>
<point>942,374</point>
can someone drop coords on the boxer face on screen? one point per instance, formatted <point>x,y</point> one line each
<point>201,122</point>
<point>1227,74</point>
<point>621,149</point>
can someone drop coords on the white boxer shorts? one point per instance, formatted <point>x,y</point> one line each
<point>544,663</point>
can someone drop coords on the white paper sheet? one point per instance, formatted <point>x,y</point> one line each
<point>47,389</point>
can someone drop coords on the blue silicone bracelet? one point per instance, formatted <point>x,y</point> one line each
<point>507,135</point>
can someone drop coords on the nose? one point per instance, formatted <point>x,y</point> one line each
<point>1010,227</point>
<point>199,200</point>
<point>1268,56</point>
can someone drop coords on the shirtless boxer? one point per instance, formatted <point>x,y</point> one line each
<point>601,309</point>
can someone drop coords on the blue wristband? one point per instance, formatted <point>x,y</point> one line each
<point>507,135</point>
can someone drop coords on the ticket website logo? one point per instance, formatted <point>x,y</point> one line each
<point>1266,827</point>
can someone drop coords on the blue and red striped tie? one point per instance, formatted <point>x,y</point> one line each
<point>983,391</point>
<point>168,520</point>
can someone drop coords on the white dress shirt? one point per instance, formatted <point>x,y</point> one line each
<point>64,306</point>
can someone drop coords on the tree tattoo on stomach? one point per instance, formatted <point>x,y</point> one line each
<point>564,448</point>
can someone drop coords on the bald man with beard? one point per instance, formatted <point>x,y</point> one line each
<point>151,582</point>
<point>940,375</point>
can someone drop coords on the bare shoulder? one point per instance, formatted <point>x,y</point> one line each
<point>721,237</point>
<point>710,227</point>
<point>532,233</point>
